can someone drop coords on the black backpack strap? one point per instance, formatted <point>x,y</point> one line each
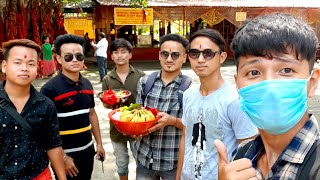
<point>310,166</point>
<point>15,115</point>
<point>149,83</point>
<point>185,83</point>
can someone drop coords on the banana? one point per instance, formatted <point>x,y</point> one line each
<point>127,118</point>
<point>136,114</point>
<point>135,118</point>
<point>149,115</point>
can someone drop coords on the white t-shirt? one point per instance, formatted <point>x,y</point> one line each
<point>216,116</point>
<point>102,48</point>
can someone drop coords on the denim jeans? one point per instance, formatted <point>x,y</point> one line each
<point>120,151</point>
<point>143,173</point>
<point>102,66</point>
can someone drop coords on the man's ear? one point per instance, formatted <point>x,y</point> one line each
<point>4,66</point>
<point>185,57</point>
<point>314,81</point>
<point>59,58</point>
<point>223,57</point>
<point>235,76</point>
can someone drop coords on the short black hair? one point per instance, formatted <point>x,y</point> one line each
<point>120,43</point>
<point>67,38</point>
<point>273,34</point>
<point>7,46</point>
<point>213,35</point>
<point>174,37</point>
<point>44,38</point>
<point>102,35</point>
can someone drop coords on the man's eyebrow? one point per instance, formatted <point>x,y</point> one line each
<point>253,61</point>
<point>286,60</point>
<point>19,59</point>
<point>281,59</point>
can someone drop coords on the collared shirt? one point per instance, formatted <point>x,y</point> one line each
<point>73,101</point>
<point>22,155</point>
<point>113,81</point>
<point>288,163</point>
<point>159,150</point>
<point>102,47</point>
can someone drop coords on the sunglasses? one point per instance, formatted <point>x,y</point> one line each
<point>69,57</point>
<point>207,54</point>
<point>166,54</point>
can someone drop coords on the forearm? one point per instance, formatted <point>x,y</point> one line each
<point>178,123</point>
<point>95,126</point>
<point>180,155</point>
<point>56,158</point>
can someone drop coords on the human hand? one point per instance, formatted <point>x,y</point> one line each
<point>238,169</point>
<point>164,121</point>
<point>70,167</point>
<point>100,151</point>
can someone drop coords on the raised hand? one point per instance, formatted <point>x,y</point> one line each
<point>239,169</point>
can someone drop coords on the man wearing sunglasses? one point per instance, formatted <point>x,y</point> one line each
<point>74,99</point>
<point>157,152</point>
<point>211,110</point>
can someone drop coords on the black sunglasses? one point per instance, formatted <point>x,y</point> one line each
<point>166,54</point>
<point>69,57</point>
<point>207,53</point>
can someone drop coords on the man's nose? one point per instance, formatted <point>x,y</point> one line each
<point>201,59</point>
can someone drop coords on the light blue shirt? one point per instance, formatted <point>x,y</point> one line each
<point>206,118</point>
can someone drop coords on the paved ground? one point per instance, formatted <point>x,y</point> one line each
<point>110,172</point>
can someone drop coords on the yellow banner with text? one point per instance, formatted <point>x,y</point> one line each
<point>133,16</point>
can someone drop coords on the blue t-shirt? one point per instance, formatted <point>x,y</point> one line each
<point>206,118</point>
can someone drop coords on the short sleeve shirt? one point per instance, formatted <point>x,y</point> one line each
<point>23,155</point>
<point>159,150</point>
<point>206,118</point>
<point>73,101</point>
<point>113,81</point>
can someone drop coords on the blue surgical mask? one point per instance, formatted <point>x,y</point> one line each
<point>275,106</point>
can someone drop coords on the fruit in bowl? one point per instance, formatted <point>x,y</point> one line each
<point>134,120</point>
<point>114,97</point>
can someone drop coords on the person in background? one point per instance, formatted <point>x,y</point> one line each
<point>48,64</point>
<point>74,99</point>
<point>27,144</point>
<point>211,110</point>
<point>87,45</point>
<point>101,54</point>
<point>125,77</point>
<point>275,56</point>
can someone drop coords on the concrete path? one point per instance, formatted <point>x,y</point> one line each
<point>110,172</point>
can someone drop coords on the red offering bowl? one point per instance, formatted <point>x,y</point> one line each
<point>118,100</point>
<point>133,128</point>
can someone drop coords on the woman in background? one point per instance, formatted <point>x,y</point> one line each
<point>48,65</point>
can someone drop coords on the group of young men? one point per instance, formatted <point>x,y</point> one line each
<point>264,123</point>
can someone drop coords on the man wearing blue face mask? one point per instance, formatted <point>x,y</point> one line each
<point>275,56</point>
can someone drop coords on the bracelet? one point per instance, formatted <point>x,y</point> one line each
<point>65,157</point>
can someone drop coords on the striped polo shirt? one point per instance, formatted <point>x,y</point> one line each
<point>73,101</point>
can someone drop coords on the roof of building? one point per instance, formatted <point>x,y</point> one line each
<point>226,3</point>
